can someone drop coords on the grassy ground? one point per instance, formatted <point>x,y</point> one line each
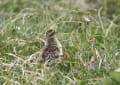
<point>89,34</point>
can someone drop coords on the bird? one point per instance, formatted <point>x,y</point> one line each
<point>52,50</point>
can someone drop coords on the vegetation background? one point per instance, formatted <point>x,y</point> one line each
<point>89,31</point>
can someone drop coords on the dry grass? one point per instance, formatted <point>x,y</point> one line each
<point>90,38</point>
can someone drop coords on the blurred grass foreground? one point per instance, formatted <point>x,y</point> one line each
<point>89,31</point>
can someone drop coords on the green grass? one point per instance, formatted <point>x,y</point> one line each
<point>23,24</point>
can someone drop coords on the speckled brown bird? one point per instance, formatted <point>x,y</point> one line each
<point>53,49</point>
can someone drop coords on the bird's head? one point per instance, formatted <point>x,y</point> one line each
<point>50,34</point>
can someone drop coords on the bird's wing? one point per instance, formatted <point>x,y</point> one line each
<point>50,53</point>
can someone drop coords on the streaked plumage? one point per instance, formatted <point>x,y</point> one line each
<point>53,48</point>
